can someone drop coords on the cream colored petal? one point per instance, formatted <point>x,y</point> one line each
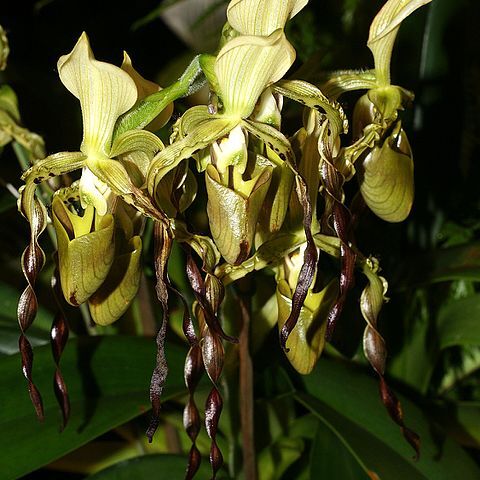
<point>93,192</point>
<point>145,88</point>
<point>231,150</point>
<point>246,65</point>
<point>104,90</point>
<point>262,17</point>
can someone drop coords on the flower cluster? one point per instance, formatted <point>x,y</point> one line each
<point>274,200</point>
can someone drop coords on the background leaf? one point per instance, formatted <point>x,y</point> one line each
<point>368,430</point>
<point>458,322</point>
<point>108,380</point>
<point>330,458</point>
<point>159,467</point>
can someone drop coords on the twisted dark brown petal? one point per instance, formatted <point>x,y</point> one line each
<point>395,411</point>
<point>162,248</point>
<point>213,409</point>
<point>376,353</point>
<point>341,220</point>
<point>199,289</point>
<point>191,418</point>
<point>33,260</point>
<point>332,181</point>
<point>58,340</point>
<point>310,258</point>
<point>209,294</point>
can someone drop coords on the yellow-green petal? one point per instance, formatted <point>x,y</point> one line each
<point>203,135</point>
<point>386,178</point>
<point>233,216</point>
<point>118,290</point>
<point>104,90</point>
<point>247,65</point>
<point>93,192</point>
<point>4,49</point>
<point>84,261</point>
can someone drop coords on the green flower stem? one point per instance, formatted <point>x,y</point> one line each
<point>147,109</point>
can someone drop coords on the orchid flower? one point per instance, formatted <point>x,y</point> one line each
<point>257,55</point>
<point>105,92</point>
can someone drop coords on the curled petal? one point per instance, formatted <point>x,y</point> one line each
<point>134,141</point>
<point>204,134</point>
<point>104,90</point>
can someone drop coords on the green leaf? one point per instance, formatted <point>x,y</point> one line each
<point>453,263</point>
<point>458,322</point>
<point>273,461</point>
<point>349,401</point>
<point>108,380</point>
<point>329,458</point>
<point>160,467</point>
<point>7,201</point>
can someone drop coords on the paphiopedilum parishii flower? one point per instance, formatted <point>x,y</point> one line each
<point>105,92</point>
<point>246,65</point>
<point>386,181</point>
<point>386,173</point>
<point>257,55</point>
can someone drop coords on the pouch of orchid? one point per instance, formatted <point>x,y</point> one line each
<point>274,199</point>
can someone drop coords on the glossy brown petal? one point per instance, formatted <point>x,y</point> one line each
<point>198,285</point>
<point>341,218</point>
<point>374,348</point>
<point>33,260</point>
<point>213,409</point>
<point>309,266</point>
<point>191,418</point>
<point>332,181</point>
<point>58,340</point>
